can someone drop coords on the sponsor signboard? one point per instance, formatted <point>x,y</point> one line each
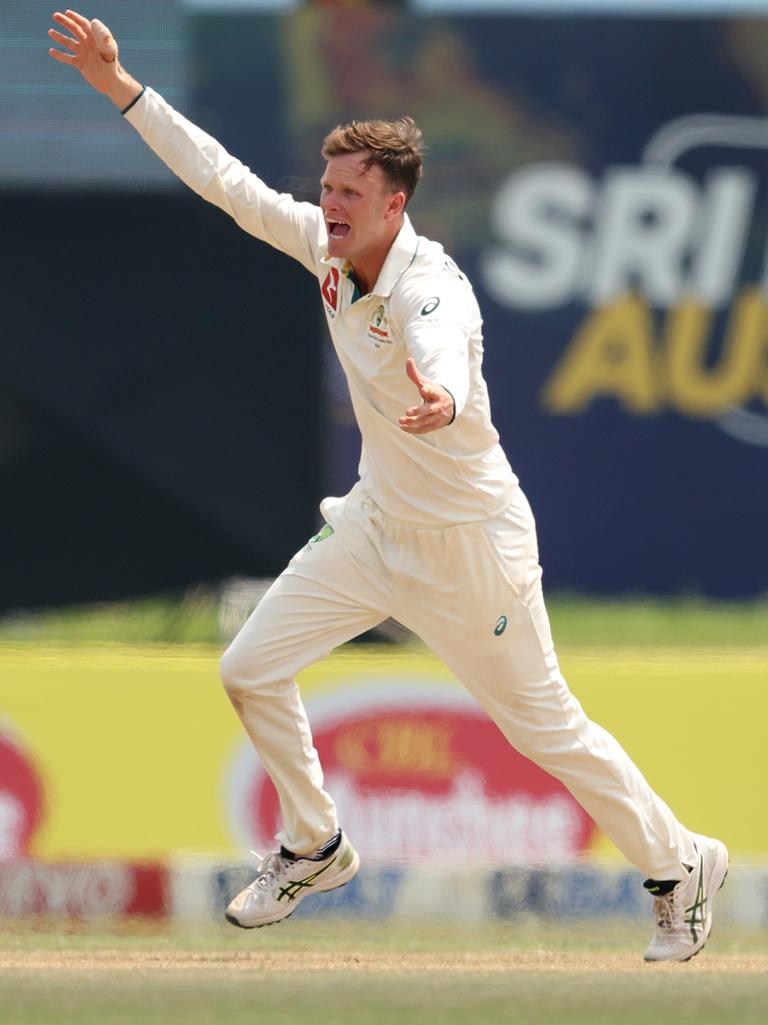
<point>580,891</point>
<point>393,728</point>
<point>85,890</point>
<point>420,773</point>
<point>465,894</point>
<point>625,292</point>
<point>677,233</point>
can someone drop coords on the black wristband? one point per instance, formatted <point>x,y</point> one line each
<point>134,100</point>
<point>454,406</point>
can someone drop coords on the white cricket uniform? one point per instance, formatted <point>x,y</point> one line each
<point>436,532</point>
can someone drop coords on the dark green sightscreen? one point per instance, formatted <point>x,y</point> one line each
<point>161,415</point>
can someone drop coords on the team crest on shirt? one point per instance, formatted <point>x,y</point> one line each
<point>330,291</point>
<point>378,329</point>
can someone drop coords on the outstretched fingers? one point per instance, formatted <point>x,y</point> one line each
<point>90,48</point>
<point>83,22</point>
<point>73,42</point>
<point>437,405</point>
<point>68,41</point>
<point>65,58</point>
<point>79,32</point>
<point>422,424</point>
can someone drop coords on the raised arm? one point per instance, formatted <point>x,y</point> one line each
<point>297,229</point>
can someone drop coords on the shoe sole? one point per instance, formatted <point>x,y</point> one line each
<point>721,865</point>
<point>336,883</point>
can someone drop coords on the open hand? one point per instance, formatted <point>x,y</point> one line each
<point>437,407</point>
<point>93,51</point>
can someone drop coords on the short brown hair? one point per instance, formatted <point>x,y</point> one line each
<point>395,146</point>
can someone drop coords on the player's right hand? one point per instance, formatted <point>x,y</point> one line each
<point>93,49</point>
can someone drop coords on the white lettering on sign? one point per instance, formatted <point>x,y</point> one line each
<point>540,215</point>
<point>642,235</point>
<point>563,236</point>
<point>402,824</point>
<point>724,224</point>
<point>639,242</point>
<point>28,887</point>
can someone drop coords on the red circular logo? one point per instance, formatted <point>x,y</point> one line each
<point>22,800</point>
<point>432,779</point>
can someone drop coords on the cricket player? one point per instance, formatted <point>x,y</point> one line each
<point>437,531</point>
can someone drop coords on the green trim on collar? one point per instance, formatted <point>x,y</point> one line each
<point>349,272</point>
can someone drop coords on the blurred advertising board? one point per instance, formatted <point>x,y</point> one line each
<point>86,890</point>
<point>135,754</point>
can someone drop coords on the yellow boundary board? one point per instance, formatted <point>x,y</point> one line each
<point>134,743</point>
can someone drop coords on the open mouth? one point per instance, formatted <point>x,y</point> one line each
<point>338,229</point>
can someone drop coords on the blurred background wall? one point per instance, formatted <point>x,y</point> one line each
<point>601,177</point>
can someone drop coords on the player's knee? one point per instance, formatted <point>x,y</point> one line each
<point>245,672</point>
<point>232,670</point>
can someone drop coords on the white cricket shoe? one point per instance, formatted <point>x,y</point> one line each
<point>283,882</point>
<point>684,915</point>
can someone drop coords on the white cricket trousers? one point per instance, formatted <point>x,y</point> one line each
<point>455,587</point>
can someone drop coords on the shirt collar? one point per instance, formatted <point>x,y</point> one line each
<point>401,255</point>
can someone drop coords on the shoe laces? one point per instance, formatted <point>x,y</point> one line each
<point>667,910</point>
<point>271,869</point>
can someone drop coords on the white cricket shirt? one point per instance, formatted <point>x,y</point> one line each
<point>420,306</point>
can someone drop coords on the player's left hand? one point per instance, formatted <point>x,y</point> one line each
<point>437,407</point>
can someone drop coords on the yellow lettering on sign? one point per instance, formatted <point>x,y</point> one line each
<point>615,353</point>
<point>698,390</point>
<point>420,747</point>
<point>398,745</point>
<point>612,354</point>
<point>352,748</point>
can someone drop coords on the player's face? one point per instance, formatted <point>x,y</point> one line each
<point>360,208</point>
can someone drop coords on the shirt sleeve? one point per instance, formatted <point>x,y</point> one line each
<point>294,228</point>
<point>438,316</point>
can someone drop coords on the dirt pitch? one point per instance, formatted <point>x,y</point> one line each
<point>217,962</point>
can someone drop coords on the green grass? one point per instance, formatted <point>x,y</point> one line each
<point>228,978</point>
<point>647,622</point>
<point>187,619</point>
<point>577,622</point>
<point>519,998</point>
